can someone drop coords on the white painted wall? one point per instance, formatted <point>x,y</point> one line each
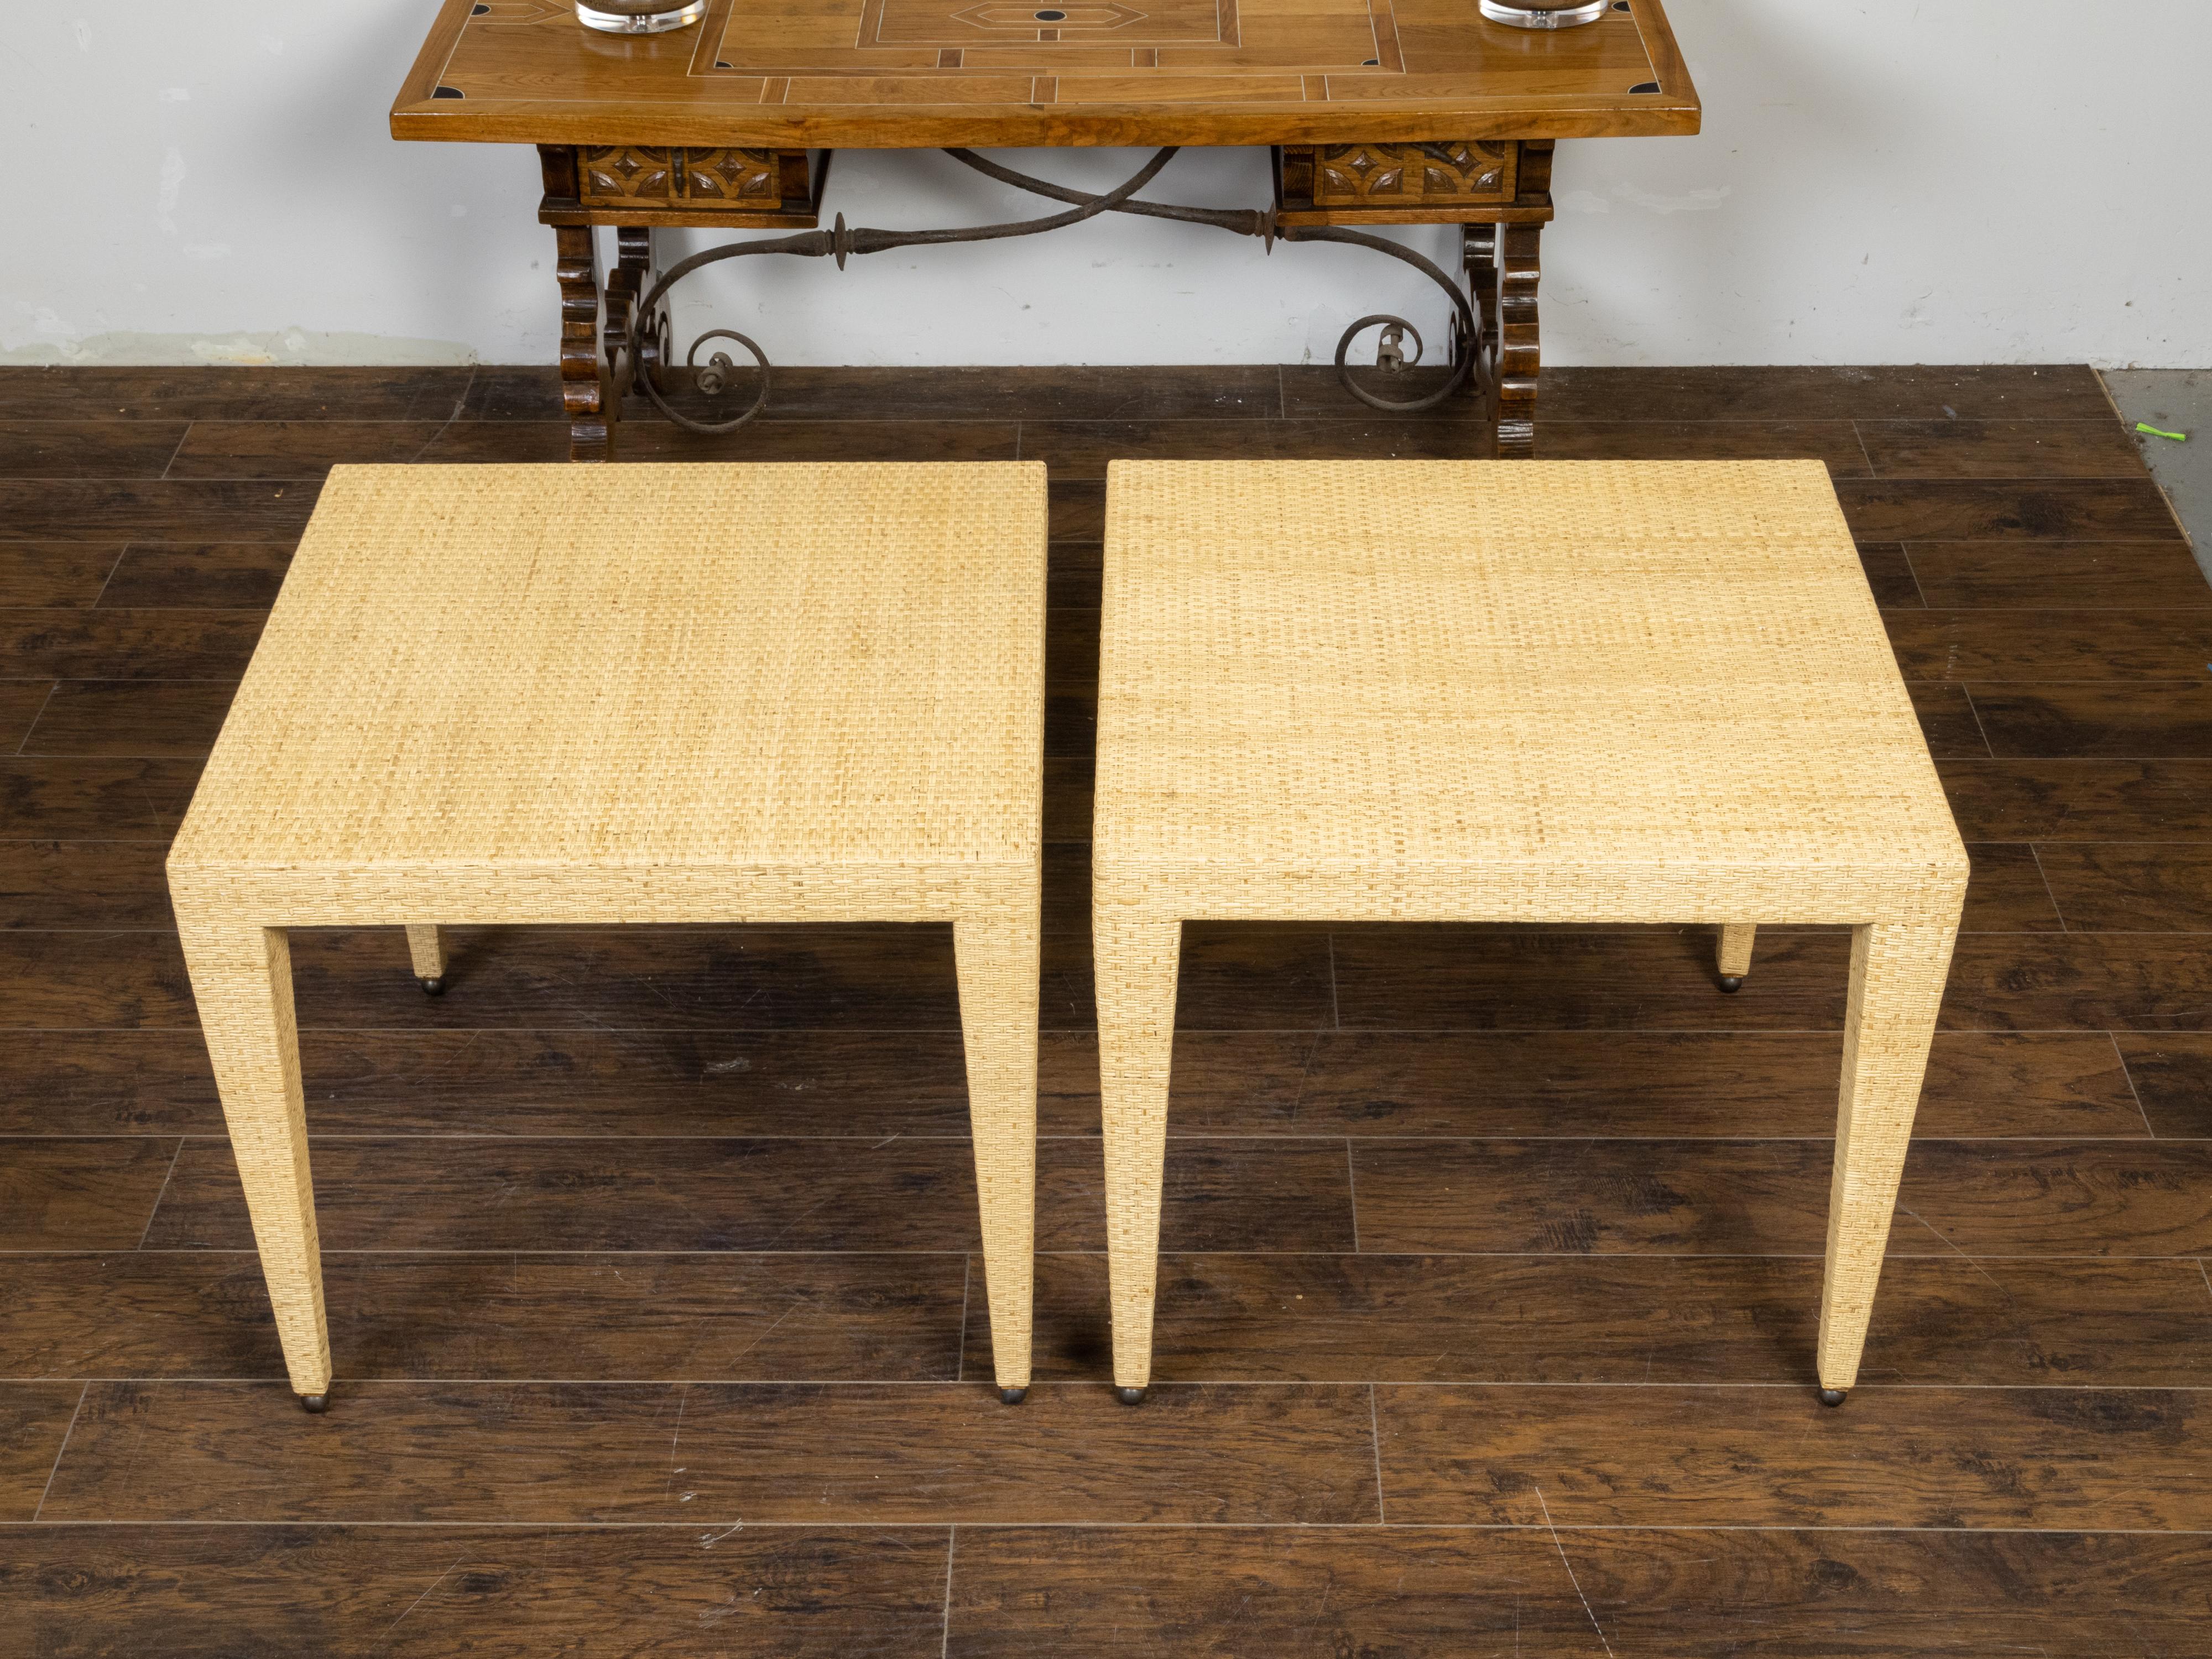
<point>1878,181</point>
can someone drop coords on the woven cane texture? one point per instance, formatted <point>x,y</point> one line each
<point>1558,691</point>
<point>673,694</point>
<point>824,683</point>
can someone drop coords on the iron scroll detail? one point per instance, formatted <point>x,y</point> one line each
<point>841,242</point>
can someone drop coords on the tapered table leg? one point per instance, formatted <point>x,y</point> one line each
<point>242,980</point>
<point>996,959</point>
<point>1897,984</point>
<point>1135,965</point>
<point>428,952</point>
<point>1735,953</point>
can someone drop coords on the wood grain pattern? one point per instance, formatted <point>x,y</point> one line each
<point>2070,574</point>
<point>764,1195</point>
<point>1971,510</point>
<point>80,883</point>
<point>784,1316</point>
<point>914,73</point>
<point>2056,1459</point>
<point>2045,1304</point>
<point>154,719</point>
<point>54,573</point>
<point>710,1455</point>
<point>34,1418</point>
<point>87,449</point>
<point>1628,1321</point>
<point>115,799</point>
<point>2087,799</point>
<point>500,1592</point>
<point>1690,1594</point>
<point>81,1194</point>
<point>130,644</point>
<point>2135,1198</point>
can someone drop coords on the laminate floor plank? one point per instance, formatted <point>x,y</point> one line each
<point>85,883</point>
<point>201,392</point>
<point>54,573</point>
<point>2131,887</point>
<point>808,1195</point>
<point>108,1082</point>
<point>2171,1072</point>
<point>2077,981</point>
<point>80,1194</point>
<point>1584,1084</point>
<point>298,449</point>
<point>2136,718</point>
<point>105,981</point>
<point>197,575</point>
<point>761,978</point>
<point>711,1455</point>
<point>493,1593</point>
<point>1974,510</point>
<point>1948,724</point>
<point>1889,576</point>
<point>1983,391</point>
<point>43,799</point>
<point>1438,977</point>
<point>1624,1320</point>
<point>2085,647</point>
<point>107,511</point>
<point>623,1315</point>
<point>2006,892</point>
<point>2094,448</point>
<point>868,1084</point>
<point>1569,1593</point>
<point>2064,576</point>
<point>2082,798</point>
<point>2122,1198</point>
<point>108,644</point>
<point>87,449</point>
<point>2042,1459</point>
<point>21,702</point>
<point>34,1420</point>
<point>158,718</point>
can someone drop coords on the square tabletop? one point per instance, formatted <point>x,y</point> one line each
<point>1649,680</point>
<point>897,74</point>
<point>564,668</point>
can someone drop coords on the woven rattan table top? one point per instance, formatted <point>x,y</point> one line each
<point>1602,668</point>
<point>616,666</point>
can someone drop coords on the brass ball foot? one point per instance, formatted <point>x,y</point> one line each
<point>1130,1396</point>
<point>1832,1396</point>
<point>315,1403</point>
<point>434,987</point>
<point>1731,983</point>
<point>1012,1396</point>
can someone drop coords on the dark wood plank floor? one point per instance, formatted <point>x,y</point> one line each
<point>1487,1312</point>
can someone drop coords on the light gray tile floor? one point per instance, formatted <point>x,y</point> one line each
<point>2175,400</point>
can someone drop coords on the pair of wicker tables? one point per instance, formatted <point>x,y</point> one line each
<point>1448,691</point>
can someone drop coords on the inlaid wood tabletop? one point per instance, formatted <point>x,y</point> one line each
<point>893,73</point>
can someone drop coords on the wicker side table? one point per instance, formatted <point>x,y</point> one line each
<point>1534,692</point>
<point>654,694</point>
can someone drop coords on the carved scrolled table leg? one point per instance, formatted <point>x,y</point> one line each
<point>1519,352</point>
<point>583,386</point>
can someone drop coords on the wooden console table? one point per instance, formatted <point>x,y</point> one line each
<point>1377,112</point>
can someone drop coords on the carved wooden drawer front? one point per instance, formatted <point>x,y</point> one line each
<point>630,175</point>
<point>1400,175</point>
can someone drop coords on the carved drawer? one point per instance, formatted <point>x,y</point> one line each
<point>1460,173</point>
<point>634,176</point>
